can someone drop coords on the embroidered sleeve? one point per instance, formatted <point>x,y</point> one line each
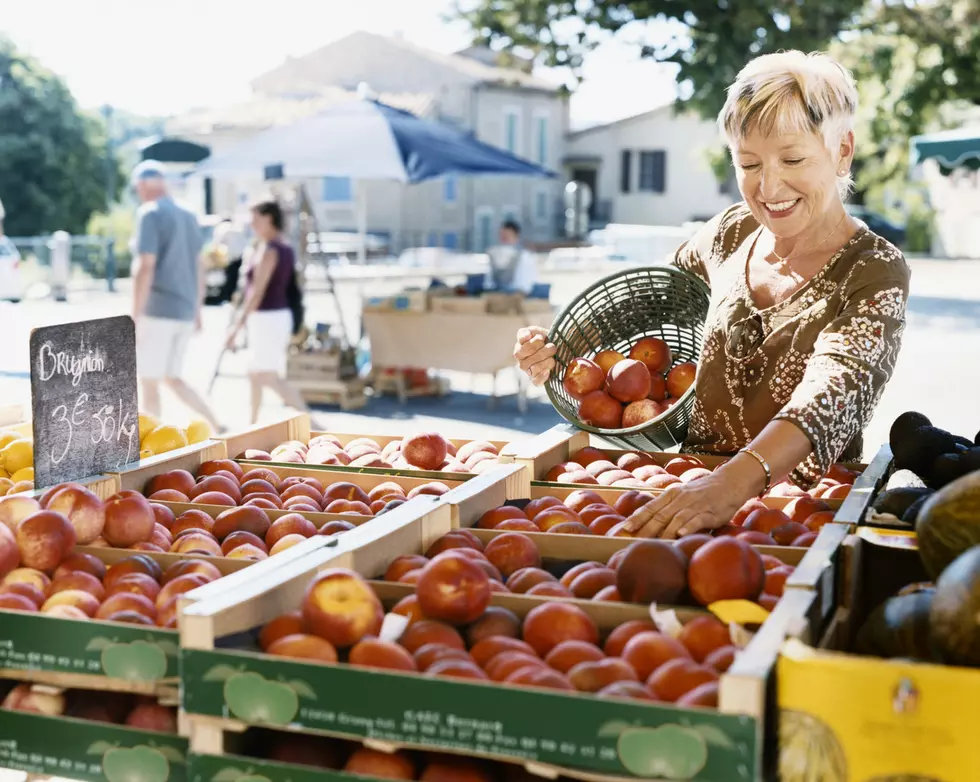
<point>714,240</point>
<point>853,359</point>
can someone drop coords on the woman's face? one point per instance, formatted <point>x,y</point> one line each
<point>789,180</point>
<point>262,225</point>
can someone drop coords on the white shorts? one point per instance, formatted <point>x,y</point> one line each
<point>161,344</point>
<point>269,333</point>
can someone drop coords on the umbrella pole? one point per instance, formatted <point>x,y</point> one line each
<point>361,222</point>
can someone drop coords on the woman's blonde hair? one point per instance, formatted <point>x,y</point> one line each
<point>792,92</point>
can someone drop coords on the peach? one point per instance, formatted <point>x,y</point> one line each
<point>216,465</point>
<point>410,577</point>
<point>409,606</point>
<point>747,509</point>
<point>375,653</point>
<point>536,676</point>
<point>340,606</point>
<point>255,455</point>
<point>345,491</point>
<point>590,513</point>
<point>767,601</point>
<point>435,488</point>
<point>68,612</point>
<point>805,541</point>
<point>608,594</point>
<point>185,567</point>
<point>607,359</point>
<point>380,765</point>
<point>552,517</point>
<point>549,589</point>
<point>609,477</point>
<point>467,450</point>
<point>633,461</point>
<point>167,614</point>
<point>137,563</point>
<point>721,658</point>
<point>496,621</point>
<point>179,586</point>
<point>621,635</point>
<point>430,631</point>
<point>629,501</point>
<point>520,581</point>
<point>11,601</point>
<point>261,474</point>
<point>426,450</point>
<point>646,471</point>
<point>175,480</point>
<point>192,520</point>
<point>817,520</point>
<point>403,564</point>
<point>672,680</point>
<point>695,474</point>
<point>776,580</point>
<point>215,498</point>
<point>765,521</point>
<point>259,487</point>
<point>587,584</point>
<point>153,716</point>
<point>254,520</point>
<point>652,571</point>
<point>83,509</point>
<point>25,575</point>
<point>583,498</point>
<point>290,524</point>
<point>286,542</point>
<point>164,516</point>
<point>769,562</point>
<point>517,525</point>
<point>582,377</point>
<point>785,534</point>
<point>628,381</point>
<point>705,695</point>
<point>149,546</point>
<point>662,481</point>
<point>573,572</point>
<point>302,490</point>
<point>82,600</point>
<point>603,524</point>
<point>654,353</point>
<point>347,508</point>
<point>29,591</point>
<point>304,647</point>
<point>647,651</point>
<point>196,543</point>
<point>129,519</point>
<point>786,489</point>
<point>601,410</point>
<point>219,484</point>
<point>592,676</point>
<point>44,539</point>
<point>800,509</point>
<point>640,412</point>
<point>702,635</point>
<point>756,538</point>
<point>547,625</point>
<point>617,559</point>
<point>725,569</point>
<point>248,551</point>
<point>486,650</point>
<point>681,378</point>
<point>286,624</point>
<point>301,505</point>
<point>85,582</point>
<point>14,509</point>
<point>626,689</point>
<point>9,553</point>
<point>241,538</point>
<point>507,662</point>
<point>512,551</point>
<point>691,543</point>
<point>491,518</point>
<point>595,469</point>
<point>569,528</point>
<point>568,654</point>
<point>681,464</point>
<point>456,539</point>
<point>453,588</point>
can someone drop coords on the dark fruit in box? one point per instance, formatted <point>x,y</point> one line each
<point>947,524</point>
<point>725,569</point>
<point>600,410</point>
<point>681,378</point>
<point>628,381</point>
<point>955,612</point>
<point>582,377</point>
<point>900,627</point>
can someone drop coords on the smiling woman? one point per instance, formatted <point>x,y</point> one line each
<point>807,304</point>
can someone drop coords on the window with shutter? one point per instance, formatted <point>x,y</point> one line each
<point>653,171</point>
<point>625,172</point>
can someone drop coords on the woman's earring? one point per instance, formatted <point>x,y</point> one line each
<point>842,172</point>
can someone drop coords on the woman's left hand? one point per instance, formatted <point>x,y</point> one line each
<point>231,341</point>
<point>685,508</point>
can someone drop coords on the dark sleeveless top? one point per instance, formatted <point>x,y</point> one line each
<point>275,297</point>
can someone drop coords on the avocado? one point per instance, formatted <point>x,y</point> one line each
<point>905,479</point>
<point>897,501</point>
<point>917,450</point>
<point>912,512</point>
<point>904,425</point>
<point>946,468</point>
<point>971,459</point>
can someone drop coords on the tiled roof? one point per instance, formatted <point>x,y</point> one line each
<point>265,111</point>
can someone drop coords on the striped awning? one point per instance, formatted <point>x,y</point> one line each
<point>950,148</point>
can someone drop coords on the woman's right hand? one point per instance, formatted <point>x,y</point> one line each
<point>534,354</point>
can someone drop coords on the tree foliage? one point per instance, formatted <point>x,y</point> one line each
<point>52,156</point>
<point>708,40</point>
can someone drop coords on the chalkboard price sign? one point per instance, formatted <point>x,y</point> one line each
<point>83,387</point>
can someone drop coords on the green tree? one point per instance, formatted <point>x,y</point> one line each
<point>708,40</point>
<point>52,156</point>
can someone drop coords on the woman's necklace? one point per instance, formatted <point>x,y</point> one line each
<point>785,260</point>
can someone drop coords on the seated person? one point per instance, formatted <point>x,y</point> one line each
<point>513,268</point>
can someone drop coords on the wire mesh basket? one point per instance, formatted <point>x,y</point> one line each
<point>615,312</point>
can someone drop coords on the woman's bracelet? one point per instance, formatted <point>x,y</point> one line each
<point>765,466</point>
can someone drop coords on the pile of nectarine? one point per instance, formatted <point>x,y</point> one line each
<point>618,392</point>
<point>133,711</point>
<point>226,482</point>
<point>135,590</point>
<point>453,632</point>
<point>636,470</point>
<point>586,512</point>
<point>422,451</point>
<point>646,571</point>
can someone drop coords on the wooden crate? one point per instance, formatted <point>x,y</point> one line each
<point>136,475</point>
<point>872,717</point>
<point>379,705</point>
<point>320,365</point>
<point>104,486</point>
<point>347,394</point>
<point>856,508</point>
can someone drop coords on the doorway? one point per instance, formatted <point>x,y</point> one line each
<point>590,177</point>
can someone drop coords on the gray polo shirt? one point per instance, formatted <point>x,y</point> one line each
<point>171,232</point>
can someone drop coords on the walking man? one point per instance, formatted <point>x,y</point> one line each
<point>168,291</point>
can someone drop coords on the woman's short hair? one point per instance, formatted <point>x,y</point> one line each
<point>791,92</point>
<point>272,210</point>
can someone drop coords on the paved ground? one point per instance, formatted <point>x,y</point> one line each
<point>938,371</point>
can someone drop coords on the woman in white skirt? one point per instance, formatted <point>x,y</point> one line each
<point>266,313</point>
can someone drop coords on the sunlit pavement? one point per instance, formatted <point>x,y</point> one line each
<point>938,371</point>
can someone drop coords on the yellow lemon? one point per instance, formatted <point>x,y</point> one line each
<point>4,473</point>
<point>145,454</point>
<point>17,455</point>
<point>164,438</point>
<point>147,424</point>
<point>198,431</point>
<point>25,474</point>
<point>7,437</point>
<point>5,486</point>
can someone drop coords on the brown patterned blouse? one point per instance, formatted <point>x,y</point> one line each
<point>819,359</point>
